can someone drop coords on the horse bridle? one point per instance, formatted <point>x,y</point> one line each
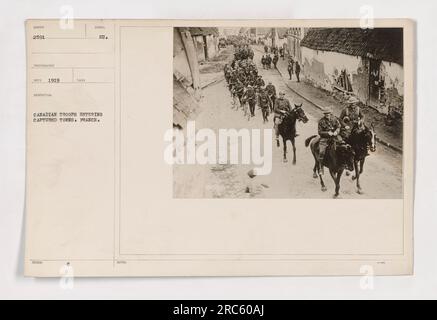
<point>370,145</point>
<point>298,115</point>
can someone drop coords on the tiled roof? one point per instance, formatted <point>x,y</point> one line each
<point>380,43</point>
<point>204,31</point>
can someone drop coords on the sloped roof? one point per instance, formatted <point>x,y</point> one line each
<point>380,43</point>
<point>204,31</point>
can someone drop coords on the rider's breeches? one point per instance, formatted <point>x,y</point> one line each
<point>323,143</point>
<point>276,122</point>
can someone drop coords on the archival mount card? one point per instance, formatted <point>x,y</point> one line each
<point>219,148</point>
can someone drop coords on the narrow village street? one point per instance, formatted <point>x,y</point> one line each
<point>382,177</point>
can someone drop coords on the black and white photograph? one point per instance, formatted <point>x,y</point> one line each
<point>293,113</point>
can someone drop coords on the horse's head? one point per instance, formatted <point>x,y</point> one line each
<point>369,137</point>
<point>346,156</point>
<point>364,136</point>
<point>300,114</point>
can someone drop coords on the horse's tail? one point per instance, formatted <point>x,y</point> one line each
<point>307,141</point>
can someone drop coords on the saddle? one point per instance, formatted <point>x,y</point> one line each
<point>332,144</point>
<point>280,116</point>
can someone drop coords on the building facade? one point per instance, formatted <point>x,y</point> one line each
<point>206,41</point>
<point>186,76</point>
<point>367,63</point>
<point>294,38</point>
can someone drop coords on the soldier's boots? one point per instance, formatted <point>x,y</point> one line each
<point>321,170</point>
<point>321,159</point>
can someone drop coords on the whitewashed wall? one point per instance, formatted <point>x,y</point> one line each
<point>320,66</point>
<point>212,46</point>
<point>394,76</point>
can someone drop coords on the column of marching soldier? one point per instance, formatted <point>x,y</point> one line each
<point>248,88</point>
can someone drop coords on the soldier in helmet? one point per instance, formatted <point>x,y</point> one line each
<point>264,103</point>
<point>329,128</point>
<point>275,60</point>
<point>250,97</point>
<point>239,91</point>
<point>297,70</point>
<point>271,91</point>
<point>290,68</point>
<point>263,61</point>
<point>233,79</point>
<point>351,117</point>
<point>282,106</point>
<point>269,61</point>
<point>259,82</point>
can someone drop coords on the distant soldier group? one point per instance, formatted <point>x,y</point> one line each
<point>293,67</point>
<point>246,86</point>
<point>243,52</point>
<point>267,60</point>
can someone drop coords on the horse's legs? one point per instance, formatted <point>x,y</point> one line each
<point>315,169</point>
<point>360,171</point>
<point>284,141</point>
<point>362,165</point>
<point>322,182</point>
<point>294,150</point>
<point>357,176</point>
<point>337,183</point>
<point>334,177</point>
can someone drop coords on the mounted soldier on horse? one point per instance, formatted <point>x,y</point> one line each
<point>330,151</point>
<point>358,135</point>
<point>350,117</point>
<point>285,123</point>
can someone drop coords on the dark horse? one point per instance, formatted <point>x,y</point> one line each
<point>362,139</point>
<point>287,128</point>
<point>337,159</point>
